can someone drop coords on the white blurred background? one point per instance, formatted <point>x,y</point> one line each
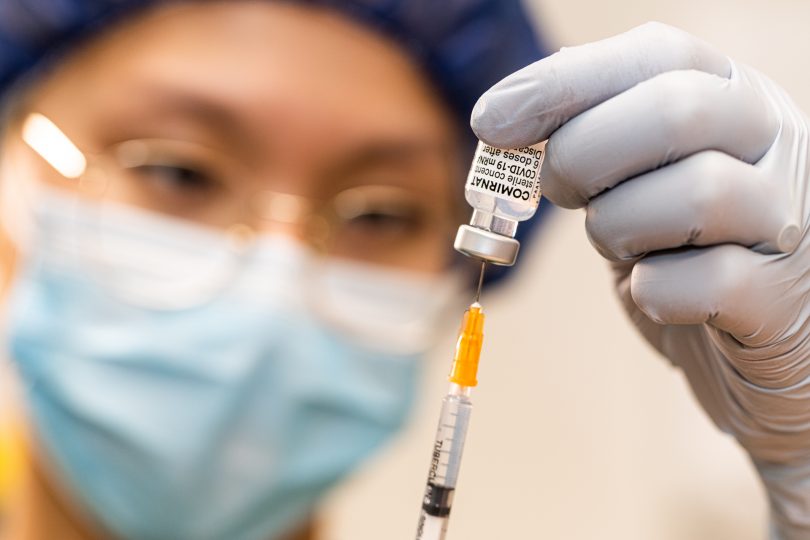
<point>580,431</point>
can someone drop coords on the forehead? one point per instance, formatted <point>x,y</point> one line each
<point>292,76</point>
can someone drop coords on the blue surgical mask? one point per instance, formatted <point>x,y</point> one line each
<point>228,419</point>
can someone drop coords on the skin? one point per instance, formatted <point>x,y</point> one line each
<point>293,99</point>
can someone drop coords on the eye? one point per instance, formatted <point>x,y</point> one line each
<point>386,220</point>
<point>169,167</point>
<point>378,211</point>
<point>176,177</point>
<point>178,190</point>
<point>385,225</point>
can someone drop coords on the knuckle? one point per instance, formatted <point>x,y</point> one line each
<point>653,26</point>
<point>644,293</point>
<point>682,47</point>
<point>707,190</point>
<point>604,236</point>
<point>598,235</point>
<point>656,30</point>
<point>681,104</point>
<point>557,182</point>
<point>729,274</point>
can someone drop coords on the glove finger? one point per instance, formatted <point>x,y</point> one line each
<point>658,121</point>
<point>717,285</point>
<point>527,106</point>
<point>708,198</point>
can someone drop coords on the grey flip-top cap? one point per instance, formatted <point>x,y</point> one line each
<point>489,246</point>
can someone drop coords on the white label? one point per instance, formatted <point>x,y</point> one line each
<point>513,175</point>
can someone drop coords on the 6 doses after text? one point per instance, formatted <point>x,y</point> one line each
<point>507,173</point>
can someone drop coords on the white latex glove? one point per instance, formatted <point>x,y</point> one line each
<point>694,173</point>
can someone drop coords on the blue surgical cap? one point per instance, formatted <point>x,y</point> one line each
<point>465,46</point>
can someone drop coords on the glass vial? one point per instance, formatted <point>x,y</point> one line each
<point>503,187</point>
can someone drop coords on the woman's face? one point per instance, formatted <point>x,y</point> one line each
<point>255,114</point>
<point>254,117</point>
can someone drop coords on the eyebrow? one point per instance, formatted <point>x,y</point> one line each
<point>208,111</point>
<point>391,151</point>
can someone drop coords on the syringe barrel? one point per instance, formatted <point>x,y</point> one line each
<point>444,465</point>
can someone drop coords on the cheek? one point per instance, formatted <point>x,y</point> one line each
<point>436,239</point>
<point>436,253</point>
<point>439,256</point>
<point>433,255</point>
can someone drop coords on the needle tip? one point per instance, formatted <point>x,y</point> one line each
<point>480,282</point>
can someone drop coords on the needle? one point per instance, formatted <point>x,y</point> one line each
<point>480,281</point>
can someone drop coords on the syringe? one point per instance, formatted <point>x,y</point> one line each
<point>453,422</point>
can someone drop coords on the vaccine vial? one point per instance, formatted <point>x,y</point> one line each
<point>503,187</point>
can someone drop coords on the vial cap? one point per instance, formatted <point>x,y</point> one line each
<point>488,246</point>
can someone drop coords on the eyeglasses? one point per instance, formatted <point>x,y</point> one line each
<point>189,185</point>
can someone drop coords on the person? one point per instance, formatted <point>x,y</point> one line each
<point>210,262</point>
<point>227,230</point>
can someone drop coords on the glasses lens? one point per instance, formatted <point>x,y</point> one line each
<point>384,225</point>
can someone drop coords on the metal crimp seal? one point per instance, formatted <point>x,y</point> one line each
<point>485,245</point>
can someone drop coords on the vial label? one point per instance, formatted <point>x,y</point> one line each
<point>507,174</point>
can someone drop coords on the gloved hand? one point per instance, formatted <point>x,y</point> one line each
<point>694,173</point>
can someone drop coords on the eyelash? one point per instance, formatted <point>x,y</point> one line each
<point>384,220</point>
<point>186,178</point>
